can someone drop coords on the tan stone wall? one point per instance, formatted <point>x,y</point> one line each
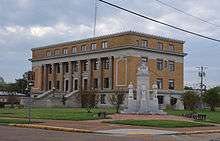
<point>113,42</point>
<point>38,86</point>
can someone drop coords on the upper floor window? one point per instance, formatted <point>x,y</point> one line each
<point>160,46</point>
<point>144,43</point>
<point>66,67</point>
<point>75,66</point>
<point>171,47</point>
<point>93,46</point>
<point>58,68</point>
<point>83,48</point>
<point>96,83</point>
<point>159,64</point>
<point>84,65</point>
<point>105,44</point>
<point>160,83</point>
<point>74,50</point>
<point>57,52</point>
<point>171,66</point>
<point>48,53</point>
<point>105,64</point>
<point>95,64</point>
<point>171,84</point>
<point>65,51</point>
<point>50,69</point>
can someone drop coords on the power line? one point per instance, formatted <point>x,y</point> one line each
<point>95,15</point>
<point>157,21</point>
<point>188,14</point>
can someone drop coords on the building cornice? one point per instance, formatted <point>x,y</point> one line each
<point>109,36</point>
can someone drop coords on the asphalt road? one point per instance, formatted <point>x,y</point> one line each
<point>24,134</point>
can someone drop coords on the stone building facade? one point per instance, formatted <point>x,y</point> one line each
<point>109,62</point>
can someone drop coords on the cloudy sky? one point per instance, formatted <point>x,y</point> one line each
<point>25,24</point>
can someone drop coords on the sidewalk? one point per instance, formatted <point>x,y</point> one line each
<point>99,126</point>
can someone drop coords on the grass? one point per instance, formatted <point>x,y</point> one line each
<point>160,123</point>
<point>54,113</point>
<point>6,121</point>
<point>212,117</point>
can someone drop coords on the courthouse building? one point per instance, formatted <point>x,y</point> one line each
<point>110,62</point>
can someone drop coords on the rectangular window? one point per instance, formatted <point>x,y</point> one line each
<point>171,47</point>
<point>171,84</point>
<point>67,85</point>
<point>84,65</point>
<point>75,66</point>
<point>106,82</point>
<point>50,85</point>
<point>83,48</point>
<point>145,43</point>
<point>160,83</point>
<point>105,63</point>
<point>160,99</point>
<point>58,85</point>
<point>76,84</point>
<point>58,68</point>
<point>48,53</point>
<point>50,69</point>
<point>85,82</point>
<point>93,46</point>
<point>95,83</point>
<point>160,46</point>
<point>65,51</point>
<point>102,99</point>
<point>95,64</point>
<point>57,52</point>
<point>74,50</point>
<point>105,44</point>
<point>66,67</point>
<point>159,64</point>
<point>171,66</point>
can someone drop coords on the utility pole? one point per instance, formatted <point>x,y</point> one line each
<point>95,15</point>
<point>202,74</point>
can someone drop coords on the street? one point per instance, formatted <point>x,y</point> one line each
<point>26,134</point>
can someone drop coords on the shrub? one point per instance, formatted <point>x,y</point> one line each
<point>190,100</point>
<point>212,97</point>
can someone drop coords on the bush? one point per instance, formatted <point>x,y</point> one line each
<point>117,99</point>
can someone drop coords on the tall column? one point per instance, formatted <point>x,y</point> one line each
<point>45,77</point>
<point>99,73</point>
<point>89,74</point>
<point>61,77</point>
<point>54,74</point>
<point>70,76</point>
<point>80,75</point>
<point>110,72</point>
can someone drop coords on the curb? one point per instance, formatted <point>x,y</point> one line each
<point>198,132</point>
<point>52,128</point>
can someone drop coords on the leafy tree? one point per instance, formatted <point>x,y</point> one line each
<point>188,88</point>
<point>190,100</point>
<point>212,97</point>
<point>117,99</point>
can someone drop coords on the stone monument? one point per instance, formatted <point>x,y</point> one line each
<point>146,101</point>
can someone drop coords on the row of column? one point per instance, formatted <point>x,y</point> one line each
<point>79,73</point>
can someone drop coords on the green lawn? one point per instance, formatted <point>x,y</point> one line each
<point>160,123</point>
<point>213,117</point>
<point>54,113</point>
<point>6,121</point>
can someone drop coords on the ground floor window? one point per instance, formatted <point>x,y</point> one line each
<point>106,82</point>
<point>95,83</point>
<point>50,85</point>
<point>58,85</point>
<point>160,99</point>
<point>85,82</point>
<point>67,85</point>
<point>103,99</point>
<point>76,84</point>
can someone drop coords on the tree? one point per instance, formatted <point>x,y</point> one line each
<point>117,99</point>
<point>89,99</point>
<point>212,97</point>
<point>188,88</point>
<point>190,100</point>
